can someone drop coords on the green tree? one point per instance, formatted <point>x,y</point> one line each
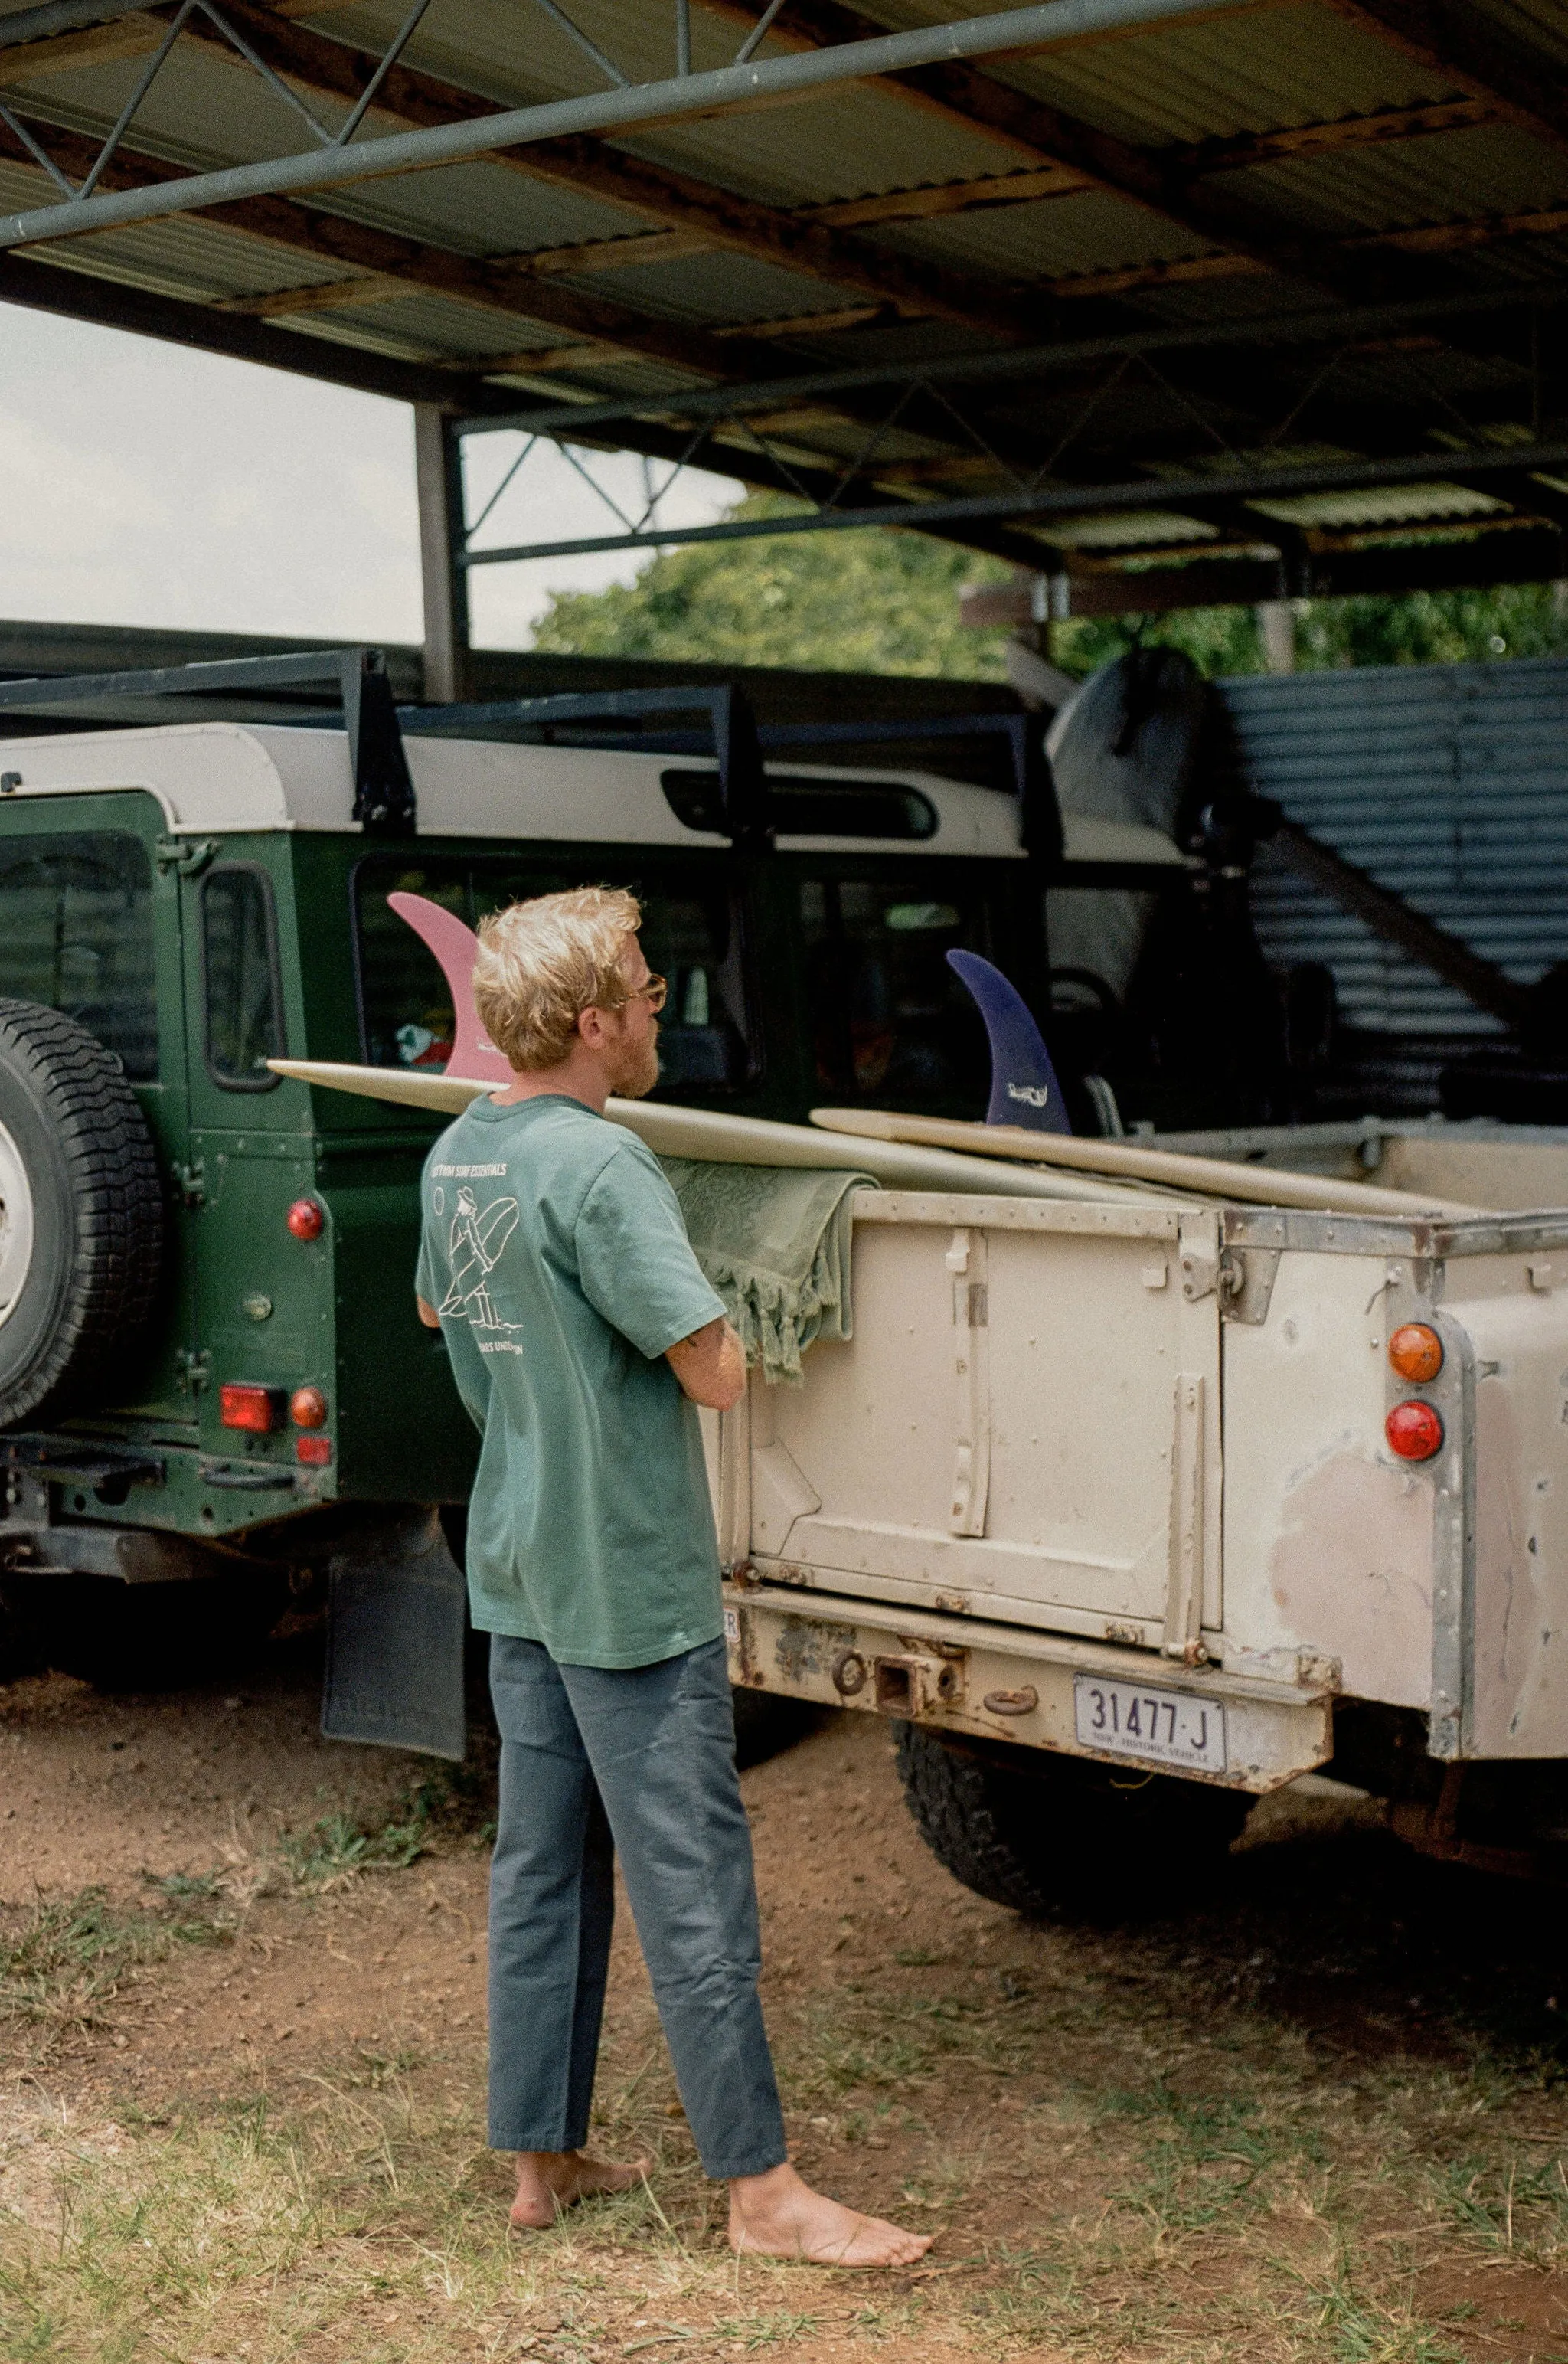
<point>881,601</point>
<point>858,602</point>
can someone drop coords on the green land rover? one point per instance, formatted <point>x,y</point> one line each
<point>213,1386</point>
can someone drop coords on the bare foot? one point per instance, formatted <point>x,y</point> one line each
<point>550,2182</point>
<point>779,2216</point>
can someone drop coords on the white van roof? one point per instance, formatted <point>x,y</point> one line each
<point>213,778</point>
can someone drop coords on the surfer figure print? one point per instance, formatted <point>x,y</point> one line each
<point>478,1236</point>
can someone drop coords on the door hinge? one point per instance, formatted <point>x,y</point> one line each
<point>192,1367</point>
<point>1228,1276</point>
<point>190,1183</point>
<point>188,857</point>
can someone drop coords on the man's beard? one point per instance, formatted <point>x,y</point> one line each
<point>637,1068</point>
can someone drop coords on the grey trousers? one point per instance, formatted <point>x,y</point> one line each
<point>639,1761</point>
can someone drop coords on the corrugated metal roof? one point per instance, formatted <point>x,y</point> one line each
<point>1261,71</point>
<point>1484,168</point>
<point>1127,251</point>
<point>1450,785</point>
<point>1389,505</point>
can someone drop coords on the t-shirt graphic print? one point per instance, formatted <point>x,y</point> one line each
<point>477,1238</point>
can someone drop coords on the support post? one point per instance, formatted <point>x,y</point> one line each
<point>1276,629</point>
<point>438,464</point>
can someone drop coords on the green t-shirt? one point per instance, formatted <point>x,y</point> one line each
<point>554,1250</point>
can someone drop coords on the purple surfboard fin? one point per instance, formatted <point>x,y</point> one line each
<point>1024,1088</point>
<point>454,945</point>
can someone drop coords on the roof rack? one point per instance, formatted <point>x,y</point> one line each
<point>383,792</point>
<point>728,731</point>
<point>646,721</point>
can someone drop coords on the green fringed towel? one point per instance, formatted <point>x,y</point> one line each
<point>775,1240</point>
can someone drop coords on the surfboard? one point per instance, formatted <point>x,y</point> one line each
<point>671,1132</point>
<point>1211,1177</point>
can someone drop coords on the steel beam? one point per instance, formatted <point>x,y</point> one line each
<point>1059,501</point>
<point>437,467</point>
<point>769,82</point>
<point>700,216</point>
<point>1316,323</point>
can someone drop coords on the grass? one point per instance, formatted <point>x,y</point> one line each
<point>1516,2207</point>
<point>337,1849</point>
<point>1138,2149</point>
<point>66,1961</point>
<point>1244,2213</point>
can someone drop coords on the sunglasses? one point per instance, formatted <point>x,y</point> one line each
<point>655,992</point>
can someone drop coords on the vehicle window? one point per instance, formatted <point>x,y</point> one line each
<point>889,1020</point>
<point>804,804</point>
<point>76,934</point>
<point>691,935</point>
<point>239,966</point>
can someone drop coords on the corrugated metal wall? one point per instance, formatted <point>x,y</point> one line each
<point>1450,785</point>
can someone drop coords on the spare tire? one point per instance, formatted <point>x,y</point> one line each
<point>81,1216</point>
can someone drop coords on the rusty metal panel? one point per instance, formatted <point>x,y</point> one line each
<point>1002,1683</point>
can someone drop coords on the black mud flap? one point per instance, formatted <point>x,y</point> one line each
<point>394,1645</point>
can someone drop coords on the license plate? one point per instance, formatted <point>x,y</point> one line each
<point>1136,1720</point>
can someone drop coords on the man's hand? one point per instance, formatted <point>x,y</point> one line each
<point>427,1313</point>
<point>710,1366</point>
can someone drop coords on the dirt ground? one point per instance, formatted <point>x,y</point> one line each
<point>1318,2114</point>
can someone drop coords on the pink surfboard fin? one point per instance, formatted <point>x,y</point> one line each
<point>474,1057</point>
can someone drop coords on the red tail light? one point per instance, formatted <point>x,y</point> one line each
<point>306,1218</point>
<point>243,1405</point>
<point>315,1452</point>
<point>1415,1431</point>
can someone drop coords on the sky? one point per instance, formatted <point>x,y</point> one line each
<point>144,484</point>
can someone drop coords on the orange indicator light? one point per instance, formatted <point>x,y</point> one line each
<point>1416,1353</point>
<point>308,1408</point>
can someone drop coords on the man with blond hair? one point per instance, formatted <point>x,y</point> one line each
<point>583,1337</point>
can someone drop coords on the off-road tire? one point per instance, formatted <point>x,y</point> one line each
<point>1053,1835</point>
<point>72,1122</point>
